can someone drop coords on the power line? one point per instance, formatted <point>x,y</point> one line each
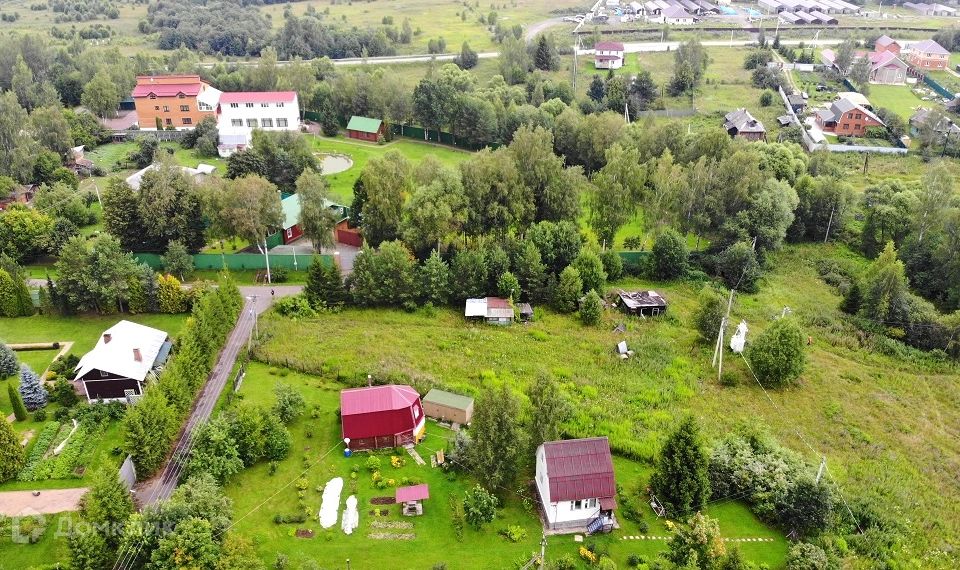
<point>804,440</point>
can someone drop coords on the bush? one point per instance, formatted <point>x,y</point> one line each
<point>279,275</point>
<point>670,255</point>
<point>777,356</point>
<point>591,309</point>
<point>766,99</point>
<point>710,312</point>
<point>805,556</point>
<point>739,268</point>
<point>40,415</point>
<point>373,463</point>
<point>295,307</point>
<point>612,264</point>
<point>514,533</point>
<point>479,506</point>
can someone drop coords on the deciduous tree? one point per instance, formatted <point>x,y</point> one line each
<point>777,354</point>
<point>317,219</point>
<point>498,441</point>
<point>670,255</point>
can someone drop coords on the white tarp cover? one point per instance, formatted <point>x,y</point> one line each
<point>739,338</point>
<point>331,502</point>
<point>351,518</point>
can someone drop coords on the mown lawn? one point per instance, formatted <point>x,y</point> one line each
<point>341,184</point>
<point>51,547</point>
<point>316,437</point>
<point>897,98</point>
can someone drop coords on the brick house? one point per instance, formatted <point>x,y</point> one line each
<point>847,118</point>
<point>173,101</point>
<point>928,55</point>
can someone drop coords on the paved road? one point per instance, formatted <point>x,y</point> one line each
<point>257,300</point>
<point>20,503</point>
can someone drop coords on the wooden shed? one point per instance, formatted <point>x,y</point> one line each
<point>366,129</point>
<point>448,406</point>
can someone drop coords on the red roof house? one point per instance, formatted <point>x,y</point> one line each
<point>381,416</point>
<point>576,484</point>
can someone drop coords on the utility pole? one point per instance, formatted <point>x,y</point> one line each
<point>823,467</point>
<point>543,551</point>
<point>829,223</point>
<point>718,349</point>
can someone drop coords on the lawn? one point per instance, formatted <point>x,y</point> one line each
<point>51,547</point>
<point>341,184</point>
<point>897,98</point>
<point>855,405</point>
<point>316,436</point>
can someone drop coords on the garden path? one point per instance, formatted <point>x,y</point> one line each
<point>16,503</point>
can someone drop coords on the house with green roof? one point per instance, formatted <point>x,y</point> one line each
<point>366,129</point>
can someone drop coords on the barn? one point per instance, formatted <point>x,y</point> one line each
<point>366,129</point>
<point>448,406</point>
<point>381,416</point>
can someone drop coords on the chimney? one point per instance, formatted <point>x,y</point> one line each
<point>136,355</point>
<point>106,338</point>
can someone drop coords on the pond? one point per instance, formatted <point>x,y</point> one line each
<point>334,163</point>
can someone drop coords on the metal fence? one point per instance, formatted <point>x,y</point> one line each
<point>128,473</point>
<point>936,86</point>
<point>119,136</point>
<point>237,261</point>
<point>667,113</point>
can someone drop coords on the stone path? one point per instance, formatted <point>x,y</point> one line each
<point>16,503</point>
<point>413,453</point>
<point>652,537</point>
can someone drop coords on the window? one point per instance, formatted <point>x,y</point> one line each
<point>849,115</point>
<point>266,123</point>
<point>184,108</point>
<point>845,126</point>
<point>169,122</point>
<point>153,96</point>
<point>204,107</point>
<point>282,123</point>
<point>181,95</point>
<point>264,104</point>
<point>590,504</point>
<point>103,373</point>
<point>250,105</point>
<point>416,413</point>
<point>187,121</point>
<point>156,107</point>
<point>166,108</point>
<point>279,104</point>
<point>252,123</point>
<point>859,115</point>
<point>236,122</point>
<point>576,505</point>
<point>234,105</point>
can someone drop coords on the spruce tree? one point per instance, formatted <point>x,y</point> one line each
<point>325,288</point>
<point>435,280</point>
<point>11,452</point>
<point>498,442</point>
<point>8,362</point>
<point>681,481</point>
<point>19,411</point>
<point>31,389</point>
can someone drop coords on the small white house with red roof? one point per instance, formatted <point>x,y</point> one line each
<point>238,114</point>
<point>576,484</point>
<point>375,417</point>
<point>608,55</point>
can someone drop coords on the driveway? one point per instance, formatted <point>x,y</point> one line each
<point>257,299</point>
<point>345,254</point>
<point>16,503</point>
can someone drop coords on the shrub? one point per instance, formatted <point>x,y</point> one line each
<point>295,307</point>
<point>612,264</point>
<point>479,506</point>
<point>670,255</point>
<point>40,415</point>
<point>8,362</point>
<point>19,411</point>
<point>591,309</point>
<point>290,404</point>
<point>63,393</point>
<point>31,389</point>
<point>805,556</point>
<point>568,291</point>
<point>739,268</point>
<point>766,99</point>
<point>514,533</point>
<point>709,314</point>
<point>373,463</point>
<point>777,356</point>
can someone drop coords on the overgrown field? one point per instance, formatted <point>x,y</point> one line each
<point>885,418</point>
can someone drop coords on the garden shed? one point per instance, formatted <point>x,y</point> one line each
<point>126,357</point>
<point>448,406</point>
<point>642,303</point>
<point>375,417</point>
<point>366,129</point>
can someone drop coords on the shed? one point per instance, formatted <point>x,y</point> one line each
<point>348,235</point>
<point>526,312</point>
<point>448,406</point>
<point>642,303</point>
<point>411,499</point>
<point>381,416</point>
<point>366,129</point>
<point>494,310</point>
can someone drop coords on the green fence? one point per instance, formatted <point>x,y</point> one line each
<point>634,257</point>
<point>936,86</point>
<point>237,261</point>
<point>421,134</point>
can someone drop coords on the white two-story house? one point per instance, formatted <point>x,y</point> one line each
<point>608,55</point>
<point>576,485</point>
<point>238,114</point>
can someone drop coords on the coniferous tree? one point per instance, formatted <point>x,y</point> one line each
<point>566,297</point>
<point>435,280</point>
<point>681,481</point>
<point>19,411</point>
<point>11,452</point>
<point>107,504</point>
<point>31,389</point>
<point>8,362</point>
<point>325,288</point>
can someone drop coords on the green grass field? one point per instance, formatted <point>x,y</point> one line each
<point>878,419</point>
<point>435,538</point>
<point>341,184</point>
<point>898,98</point>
